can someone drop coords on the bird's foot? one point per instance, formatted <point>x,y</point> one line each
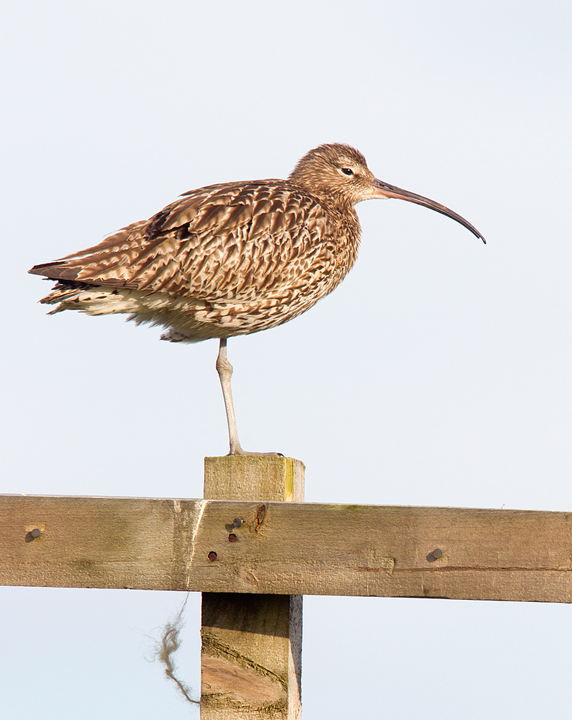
<point>239,451</point>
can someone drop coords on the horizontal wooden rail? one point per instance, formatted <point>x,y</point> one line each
<point>285,548</point>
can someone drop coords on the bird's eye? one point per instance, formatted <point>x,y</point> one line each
<point>347,171</point>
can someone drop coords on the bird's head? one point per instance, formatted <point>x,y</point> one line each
<point>339,174</point>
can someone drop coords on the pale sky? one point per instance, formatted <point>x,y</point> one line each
<point>438,374</point>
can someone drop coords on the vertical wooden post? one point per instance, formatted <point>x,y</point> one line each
<point>251,659</point>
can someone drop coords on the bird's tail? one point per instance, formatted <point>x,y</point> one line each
<point>90,299</point>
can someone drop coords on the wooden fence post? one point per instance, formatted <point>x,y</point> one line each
<point>251,658</point>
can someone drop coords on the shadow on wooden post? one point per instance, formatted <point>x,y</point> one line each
<point>251,659</point>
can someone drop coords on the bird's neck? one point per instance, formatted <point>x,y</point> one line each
<point>338,204</point>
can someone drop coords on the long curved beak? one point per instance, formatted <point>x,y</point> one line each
<point>385,190</point>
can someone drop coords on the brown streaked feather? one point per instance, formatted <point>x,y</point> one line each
<point>192,247</point>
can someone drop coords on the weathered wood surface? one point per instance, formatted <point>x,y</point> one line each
<point>286,548</point>
<point>251,650</point>
<point>251,656</point>
<point>254,477</point>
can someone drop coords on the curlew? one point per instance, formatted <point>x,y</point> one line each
<point>231,259</point>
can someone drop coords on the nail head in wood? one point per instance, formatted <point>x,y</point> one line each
<point>435,555</point>
<point>33,534</point>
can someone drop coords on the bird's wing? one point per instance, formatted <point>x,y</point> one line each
<point>228,241</point>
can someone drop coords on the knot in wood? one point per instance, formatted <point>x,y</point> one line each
<point>260,516</point>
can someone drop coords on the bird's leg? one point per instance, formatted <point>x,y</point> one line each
<point>224,370</point>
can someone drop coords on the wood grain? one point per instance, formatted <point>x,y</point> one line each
<point>251,656</point>
<point>286,548</point>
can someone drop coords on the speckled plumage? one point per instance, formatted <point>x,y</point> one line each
<point>223,260</point>
<point>231,259</point>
